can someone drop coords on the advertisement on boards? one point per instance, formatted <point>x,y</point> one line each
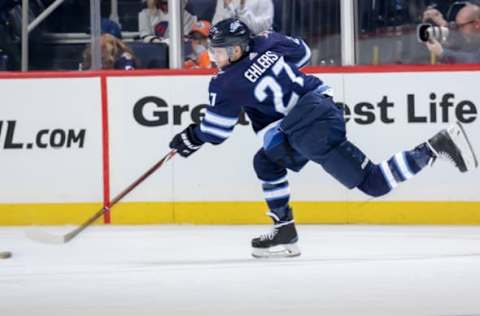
<point>385,112</point>
<point>50,140</point>
<point>52,149</point>
<point>391,112</point>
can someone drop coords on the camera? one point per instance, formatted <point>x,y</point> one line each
<point>426,31</point>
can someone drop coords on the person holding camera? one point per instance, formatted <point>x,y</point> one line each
<point>434,16</point>
<point>441,12</point>
<point>467,22</point>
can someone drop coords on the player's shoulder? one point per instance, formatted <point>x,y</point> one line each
<point>269,39</point>
<point>220,82</point>
<point>264,41</point>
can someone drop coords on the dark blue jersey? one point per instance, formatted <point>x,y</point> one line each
<point>266,83</point>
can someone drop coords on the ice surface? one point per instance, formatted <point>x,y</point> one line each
<point>207,270</point>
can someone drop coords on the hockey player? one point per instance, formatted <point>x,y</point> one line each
<point>299,122</point>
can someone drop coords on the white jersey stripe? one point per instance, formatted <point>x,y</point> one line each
<point>219,120</point>
<point>215,131</point>
<point>307,56</point>
<point>282,179</point>
<point>402,165</point>
<point>387,173</point>
<point>276,194</point>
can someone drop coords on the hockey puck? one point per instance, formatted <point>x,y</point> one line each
<point>5,254</point>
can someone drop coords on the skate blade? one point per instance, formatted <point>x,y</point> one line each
<point>460,138</point>
<point>280,251</point>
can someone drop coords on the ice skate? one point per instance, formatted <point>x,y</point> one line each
<point>452,144</point>
<point>280,242</point>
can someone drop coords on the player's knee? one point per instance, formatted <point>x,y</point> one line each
<point>347,164</point>
<point>374,183</point>
<point>260,162</point>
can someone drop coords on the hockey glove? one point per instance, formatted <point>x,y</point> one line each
<point>185,142</point>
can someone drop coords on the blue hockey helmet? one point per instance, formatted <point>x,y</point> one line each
<point>223,37</point>
<point>229,32</point>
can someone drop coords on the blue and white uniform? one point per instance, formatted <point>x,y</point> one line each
<point>299,122</point>
<point>266,84</point>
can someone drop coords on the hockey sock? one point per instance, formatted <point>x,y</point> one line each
<point>281,215</point>
<point>384,177</point>
<point>277,195</point>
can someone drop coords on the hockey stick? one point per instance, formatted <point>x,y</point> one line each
<point>41,236</point>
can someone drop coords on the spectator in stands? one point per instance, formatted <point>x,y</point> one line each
<point>111,27</point>
<point>256,14</point>
<point>153,22</point>
<point>199,57</point>
<point>441,12</point>
<point>115,54</point>
<point>467,22</point>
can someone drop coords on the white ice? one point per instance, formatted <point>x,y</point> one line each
<point>207,270</point>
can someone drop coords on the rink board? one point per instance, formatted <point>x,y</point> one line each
<point>246,213</point>
<point>108,128</point>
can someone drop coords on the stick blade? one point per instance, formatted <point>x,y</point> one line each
<point>44,237</point>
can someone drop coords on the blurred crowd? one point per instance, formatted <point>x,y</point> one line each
<point>154,29</point>
<point>389,31</point>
